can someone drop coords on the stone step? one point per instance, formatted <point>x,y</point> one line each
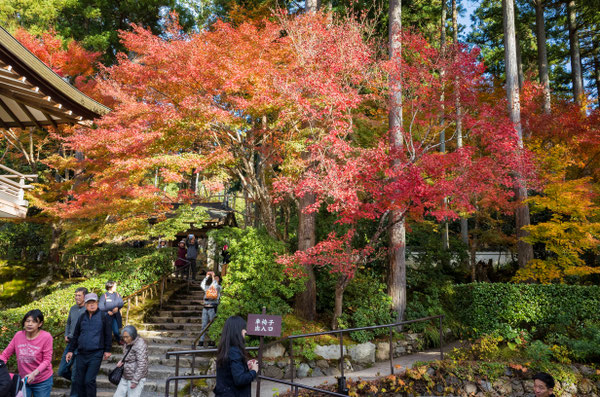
<point>191,328</point>
<point>178,320</point>
<point>161,359</point>
<point>167,336</point>
<point>187,301</point>
<point>173,307</point>
<point>187,312</point>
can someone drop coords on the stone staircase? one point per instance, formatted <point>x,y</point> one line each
<point>172,328</point>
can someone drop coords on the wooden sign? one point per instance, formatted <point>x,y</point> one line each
<point>263,325</point>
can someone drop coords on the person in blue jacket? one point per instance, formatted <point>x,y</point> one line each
<point>235,372</point>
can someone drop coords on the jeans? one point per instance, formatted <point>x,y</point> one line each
<point>115,329</point>
<point>41,389</point>
<point>193,266</point>
<point>88,366</point>
<point>208,313</point>
<point>68,370</point>
<point>124,389</point>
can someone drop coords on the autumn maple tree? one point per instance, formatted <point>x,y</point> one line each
<point>368,182</point>
<point>231,103</point>
<point>565,143</point>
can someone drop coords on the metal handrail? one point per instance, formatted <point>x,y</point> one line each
<point>340,333</point>
<point>176,379</point>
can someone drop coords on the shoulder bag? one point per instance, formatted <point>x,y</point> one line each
<point>115,375</point>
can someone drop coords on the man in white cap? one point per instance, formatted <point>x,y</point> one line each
<point>92,339</point>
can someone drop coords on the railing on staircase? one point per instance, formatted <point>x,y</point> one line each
<point>14,192</point>
<point>342,390</point>
<point>153,288</point>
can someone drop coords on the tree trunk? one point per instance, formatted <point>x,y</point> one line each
<point>306,301</point>
<point>525,250</point>
<point>473,251</point>
<point>445,241</point>
<point>55,245</point>
<point>540,25</point>
<point>519,62</point>
<point>576,74</point>
<point>312,5</point>
<point>340,287</point>
<point>397,258</point>
<point>596,57</point>
<point>464,225</point>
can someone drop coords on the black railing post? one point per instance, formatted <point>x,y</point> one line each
<point>260,352</point>
<point>176,374</point>
<point>342,389</point>
<point>292,365</point>
<point>392,350</point>
<point>441,339</point>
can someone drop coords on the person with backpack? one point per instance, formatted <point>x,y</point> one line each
<point>92,338</point>
<point>5,381</point>
<point>111,303</point>
<point>33,348</point>
<point>212,296</point>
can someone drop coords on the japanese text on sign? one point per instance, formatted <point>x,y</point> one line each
<point>263,325</point>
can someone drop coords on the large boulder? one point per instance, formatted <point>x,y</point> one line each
<point>383,351</point>
<point>363,353</point>
<point>274,352</point>
<point>273,371</point>
<point>329,352</point>
<point>303,370</point>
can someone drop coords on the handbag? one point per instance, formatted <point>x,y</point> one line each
<point>116,374</point>
<point>22,388</point>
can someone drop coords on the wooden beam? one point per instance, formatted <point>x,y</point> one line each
<point>50,119</point>
<point>31,117</point>
<point>43,105</point>
<point>11,113</point>
<point>23,91</point>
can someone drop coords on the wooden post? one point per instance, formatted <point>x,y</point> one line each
<point>260,351</point>
<point>162,291</point>
<point>127,315</point>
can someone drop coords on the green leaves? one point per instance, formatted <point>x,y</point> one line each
<point>184,217</point>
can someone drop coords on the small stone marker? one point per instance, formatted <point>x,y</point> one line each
<point>264,325</point>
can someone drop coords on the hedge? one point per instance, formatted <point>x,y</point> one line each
<point>130,277</point>
<point>484,308</point>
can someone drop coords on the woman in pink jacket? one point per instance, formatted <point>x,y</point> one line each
<point>33,348</point>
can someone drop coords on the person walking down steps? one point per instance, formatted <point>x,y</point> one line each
<point>111,303</point>
<point>135,362</point>
<point>93,339</point>
<point>212,296</point>
<point>192,253</point>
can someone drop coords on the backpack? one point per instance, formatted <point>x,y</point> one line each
<point>212,293</point>
<point>5,381</point>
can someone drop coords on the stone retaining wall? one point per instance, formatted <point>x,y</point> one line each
<point>276,360</point>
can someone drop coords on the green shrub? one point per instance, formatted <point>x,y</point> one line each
<point>130,277</point>
<point>253,278</point>
<point>366,303</point>
<point>24,240</point>
<point>484,308</point>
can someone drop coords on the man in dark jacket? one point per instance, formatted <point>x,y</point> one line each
<point>92,339</point>
<point>192,253</point>
<point>69,370</point>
